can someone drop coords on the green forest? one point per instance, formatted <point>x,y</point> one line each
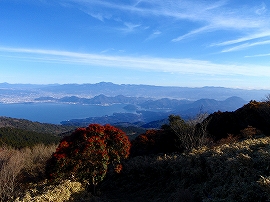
<point>19,138</point>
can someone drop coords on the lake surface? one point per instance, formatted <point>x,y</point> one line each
<point>56,112</point>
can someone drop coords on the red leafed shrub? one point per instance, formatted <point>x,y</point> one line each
<point>249,132</point>
<point>87,152</point>
<point>153,142</point>
<point>145,143</point>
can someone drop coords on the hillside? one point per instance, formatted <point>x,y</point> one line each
<point>34,126</point>
<point>230,172</point>
<point>252,115</point>
<point>19,133</point>
<point>236,171</point>
<point>20,138</point>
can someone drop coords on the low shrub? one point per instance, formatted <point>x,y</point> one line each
<point>176,136</point>
<point>153,142</point>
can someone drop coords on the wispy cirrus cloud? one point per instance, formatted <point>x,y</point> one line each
<point>100,16</point>
<point>193,32</point>
<point>246,45</point>
<point>249,37</point>
<point>179,66</point>
<point>258,55</point>
<point>153,35</point>
<point>129,27</point>
<point>262,9</point>
<point>208,16</point>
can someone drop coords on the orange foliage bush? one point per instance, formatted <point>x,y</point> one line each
<point>87,152</point>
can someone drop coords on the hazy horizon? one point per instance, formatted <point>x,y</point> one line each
<point>134,84</point>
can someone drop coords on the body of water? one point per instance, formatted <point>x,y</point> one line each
<point>56,112</point>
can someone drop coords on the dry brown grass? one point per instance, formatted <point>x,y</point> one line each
<point>51,193</point>
<point>11,163</point>
<point>35,161</point>
<point>20,166</point>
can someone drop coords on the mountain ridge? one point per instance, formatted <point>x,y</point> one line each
<point>135,90</point>
<point>156,110</point>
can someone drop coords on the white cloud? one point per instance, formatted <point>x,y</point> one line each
<point>173,65</point>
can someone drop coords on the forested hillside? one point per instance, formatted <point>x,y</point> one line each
<point>34,126</point>
<point>19,138</point>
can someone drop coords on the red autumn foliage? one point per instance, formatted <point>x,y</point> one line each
<point>87,152</point>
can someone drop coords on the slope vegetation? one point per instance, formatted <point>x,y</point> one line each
<point>237,171</point>
<point>33,126</point>
<point>254,114</point>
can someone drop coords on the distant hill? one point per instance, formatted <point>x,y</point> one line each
<point>134,103</point>
<point>210,106</point>
<point>96,100</point>
<point>156,110</point>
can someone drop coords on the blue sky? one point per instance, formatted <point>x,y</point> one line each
<point>191,43</point>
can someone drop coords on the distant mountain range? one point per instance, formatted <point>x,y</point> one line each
<point>129,90</point>
<point>145,105</point>
<point>148,104</point>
